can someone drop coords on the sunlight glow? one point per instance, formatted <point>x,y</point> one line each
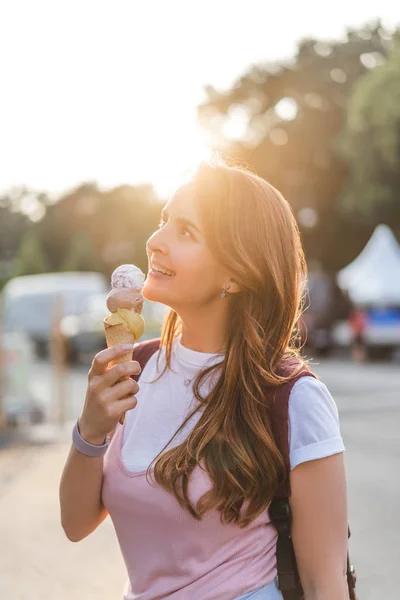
<point>115,103</point>
<point>278,136</point>
<point>286,109</point>
<point>237,123</point>
<point>181,157</point>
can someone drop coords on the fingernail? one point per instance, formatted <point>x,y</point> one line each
<point>127,347</point>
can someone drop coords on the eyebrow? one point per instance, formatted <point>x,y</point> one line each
<point>181,220</point>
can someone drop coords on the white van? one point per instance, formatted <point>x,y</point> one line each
<point>28,302</point>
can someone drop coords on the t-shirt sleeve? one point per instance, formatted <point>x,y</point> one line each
<point>314,428</point>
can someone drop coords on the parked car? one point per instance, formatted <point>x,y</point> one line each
<point>29,302</point>
<point>381,334</point>
<point>84,333</point>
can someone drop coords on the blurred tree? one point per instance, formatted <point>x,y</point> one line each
<point>131,215</point>
<point>98,230</point>
<point>64,221</point>
<point>84,229</point>
<point>13,227</point>
<point>30,258</point>
<point>371,144</point>
<point>81,255</point>
<point>283,120</point>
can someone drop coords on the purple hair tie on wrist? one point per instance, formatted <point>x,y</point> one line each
<point>84,447</point>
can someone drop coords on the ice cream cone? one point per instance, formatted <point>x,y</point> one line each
<point>125,324</point>
<point>115,335</point>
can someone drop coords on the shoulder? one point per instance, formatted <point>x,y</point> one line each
<point>308,393</point>
<point>314,427</point>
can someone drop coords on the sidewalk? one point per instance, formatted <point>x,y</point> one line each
<point>37,561</point>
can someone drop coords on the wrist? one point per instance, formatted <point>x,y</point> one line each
<point>88,437</point>
<point>86,447</point>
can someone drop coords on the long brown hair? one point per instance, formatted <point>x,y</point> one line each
<point>251,230</point>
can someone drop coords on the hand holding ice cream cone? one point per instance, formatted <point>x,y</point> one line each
<point>125,324</point>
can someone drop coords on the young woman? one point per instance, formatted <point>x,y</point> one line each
<point>191,510</point>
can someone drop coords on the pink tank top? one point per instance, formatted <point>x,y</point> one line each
<point>170,554</point>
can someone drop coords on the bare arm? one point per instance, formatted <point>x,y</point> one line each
<point>107,398</point>
<point>319,528</point>
<point>80,494</point>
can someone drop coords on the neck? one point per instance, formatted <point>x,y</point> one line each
<point>205,330</point>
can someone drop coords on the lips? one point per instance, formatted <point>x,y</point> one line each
<point>159,274</point>
<point>156,268</point>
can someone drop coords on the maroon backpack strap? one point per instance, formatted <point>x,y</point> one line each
<point>143,351</point>
<point>280,417</point>
<point>279,509</point>
<point>288,576</point>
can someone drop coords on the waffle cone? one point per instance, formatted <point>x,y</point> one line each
<point>118,334</point>
<point>115,335</point>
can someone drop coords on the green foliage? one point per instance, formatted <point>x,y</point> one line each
<point>81,255</point>
<point>13,227</point>
<point>287,118</point>
<point>30,258</point>
<point>371,143</point>
<point>90,229</point>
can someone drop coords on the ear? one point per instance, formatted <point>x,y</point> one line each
<point>233,286</point>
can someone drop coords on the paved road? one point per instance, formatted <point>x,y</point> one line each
<point>38,562</point>
<point>368,399</point>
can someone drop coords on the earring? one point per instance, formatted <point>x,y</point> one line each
<point>223,293</point>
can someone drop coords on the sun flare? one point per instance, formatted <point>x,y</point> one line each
<point>185,151</point>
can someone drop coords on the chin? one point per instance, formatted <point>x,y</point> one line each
<point>153,294</point>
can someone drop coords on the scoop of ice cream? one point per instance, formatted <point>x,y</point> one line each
<point>129,298</point>
<point>127,276</point>
<point>132,320</point>
<point>127,282</point>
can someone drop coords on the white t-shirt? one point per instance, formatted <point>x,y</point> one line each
<point>314,429</point>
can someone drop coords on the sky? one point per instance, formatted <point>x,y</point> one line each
<point>107,91</point>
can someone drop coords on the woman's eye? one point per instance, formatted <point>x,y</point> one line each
<point>183,230</point>
<point>186,230</point>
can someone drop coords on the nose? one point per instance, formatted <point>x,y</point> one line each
<point>157,244</point>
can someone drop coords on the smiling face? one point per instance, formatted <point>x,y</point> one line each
<point>194,276</point>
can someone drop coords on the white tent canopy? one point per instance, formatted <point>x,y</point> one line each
<point>374,276</point>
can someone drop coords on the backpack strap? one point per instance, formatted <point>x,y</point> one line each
<point>142,353</point>
<point>280,420</point>
<point>279,509</point>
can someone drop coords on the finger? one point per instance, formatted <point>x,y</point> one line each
<point>120,371</point>
<point>122,406</point>
<point>123,388</point>
<point>102,358</point>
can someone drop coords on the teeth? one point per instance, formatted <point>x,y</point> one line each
<point>163,271</point>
